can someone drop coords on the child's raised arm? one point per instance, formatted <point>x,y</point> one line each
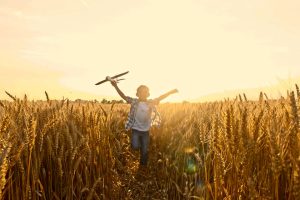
<point>166,95</point>
<point>114,83</point>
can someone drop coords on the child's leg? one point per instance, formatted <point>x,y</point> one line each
<point>135,142</point>
<point>144,147</point>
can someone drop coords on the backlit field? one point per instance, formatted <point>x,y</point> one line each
<point>234,149</point>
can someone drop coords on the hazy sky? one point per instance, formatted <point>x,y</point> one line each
<point>197,46</point>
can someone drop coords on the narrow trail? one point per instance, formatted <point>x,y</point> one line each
<point>135,182</point>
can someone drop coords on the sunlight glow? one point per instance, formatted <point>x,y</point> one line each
<point>203,48</point>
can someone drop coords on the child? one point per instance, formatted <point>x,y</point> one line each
<point>140,118</point>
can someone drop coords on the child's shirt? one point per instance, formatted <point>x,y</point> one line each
<point>142,120</point>
<point>142,114</point>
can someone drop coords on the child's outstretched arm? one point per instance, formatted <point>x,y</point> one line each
<point>114,83</point>
<point>166,95</point>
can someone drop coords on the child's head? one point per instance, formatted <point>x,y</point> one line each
<point>142,92</point>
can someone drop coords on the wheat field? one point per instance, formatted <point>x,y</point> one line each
<point>231,149</point>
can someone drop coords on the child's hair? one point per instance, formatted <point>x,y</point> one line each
<point>142,87</point>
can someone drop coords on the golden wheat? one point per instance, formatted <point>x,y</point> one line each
<point>239,149</point>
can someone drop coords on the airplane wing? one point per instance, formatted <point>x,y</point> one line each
<point>101,82</point>
<point>116,76</point>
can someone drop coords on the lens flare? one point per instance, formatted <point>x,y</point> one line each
<point>189,150</point>
<point>191,166</point>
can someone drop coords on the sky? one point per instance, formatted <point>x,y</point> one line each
<point>200,47</point>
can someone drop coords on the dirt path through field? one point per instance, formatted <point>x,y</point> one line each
<point>135,182</point>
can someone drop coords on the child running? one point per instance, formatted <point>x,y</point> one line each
<point>142,114</point>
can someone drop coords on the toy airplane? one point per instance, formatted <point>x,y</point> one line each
<point>108,78</point>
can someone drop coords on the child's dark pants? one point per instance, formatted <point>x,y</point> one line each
<point>140,141</point>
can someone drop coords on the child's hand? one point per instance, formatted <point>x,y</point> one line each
<point>113,82</point>
<point>174,91</point>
